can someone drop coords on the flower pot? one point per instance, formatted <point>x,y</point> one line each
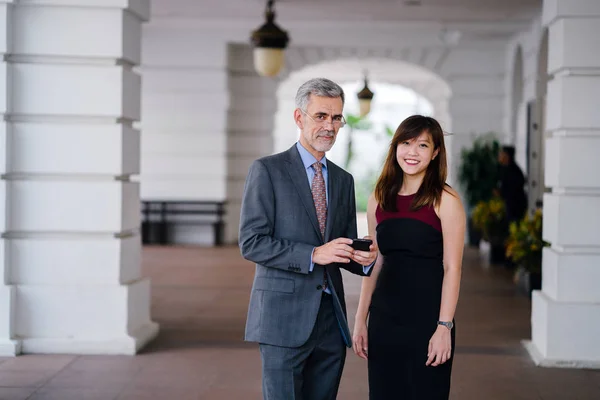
<point>497,253</point>
<point>527,281</point>
<point>535,281</point>
<point>473,233</point>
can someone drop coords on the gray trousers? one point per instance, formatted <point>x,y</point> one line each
<point>311,371</point>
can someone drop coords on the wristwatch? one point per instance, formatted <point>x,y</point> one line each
<point>447,324</point>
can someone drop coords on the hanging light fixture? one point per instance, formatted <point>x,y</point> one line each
<point>364,98</point>
<point>269,42</point>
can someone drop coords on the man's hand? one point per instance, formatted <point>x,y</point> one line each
<point>365,258</point>
<point>336,251</point>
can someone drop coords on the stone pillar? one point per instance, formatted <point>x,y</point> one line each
<point>566,312</point>
<point>72,250</point>
<point>8,346</point>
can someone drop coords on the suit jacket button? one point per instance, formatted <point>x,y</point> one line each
<point>319,287</point>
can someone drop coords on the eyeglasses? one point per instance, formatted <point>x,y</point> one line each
<point>321,119</point>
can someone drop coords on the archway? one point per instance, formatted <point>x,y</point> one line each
<point>260,111</point>
<point>427,93</point>
<point>422,81</point>
<point>537,129</point>
<point>392,103</point>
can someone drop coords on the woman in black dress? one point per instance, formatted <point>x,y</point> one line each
<point>405,319</point>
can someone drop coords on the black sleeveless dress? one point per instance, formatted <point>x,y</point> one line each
<point>405,306</point>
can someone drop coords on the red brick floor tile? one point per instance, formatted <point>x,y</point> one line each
<point>228,393</point>
<point>200,298</point>
<point>163,394</point>
<point>108,393</point>
<point>114,364</point>
<point>80,379</point>
<point>23,379</point>
<point>34,362</point>
<point>16,393</point>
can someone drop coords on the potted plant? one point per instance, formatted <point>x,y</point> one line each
<point>489,217</point>
<point>524,247</point>
<point>478,176</point>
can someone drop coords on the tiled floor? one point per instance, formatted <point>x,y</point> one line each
<point>200,298</point>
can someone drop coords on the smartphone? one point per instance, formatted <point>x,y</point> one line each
<point>361,244</point>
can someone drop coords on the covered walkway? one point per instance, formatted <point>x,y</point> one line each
<point>199,298</point>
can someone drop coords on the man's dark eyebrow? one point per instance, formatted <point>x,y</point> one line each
<point>326,113</point>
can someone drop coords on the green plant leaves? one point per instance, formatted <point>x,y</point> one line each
<point>478,171</point>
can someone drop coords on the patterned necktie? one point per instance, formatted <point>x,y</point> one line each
<point>319,196</point>
<point>320,199</point>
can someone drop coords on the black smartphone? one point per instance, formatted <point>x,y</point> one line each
<point>361,244</point>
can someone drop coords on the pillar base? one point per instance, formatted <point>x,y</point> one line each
<point>9,347</point>
<point>541,361</point>
<point>126,345</point>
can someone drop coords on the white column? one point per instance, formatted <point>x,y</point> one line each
<point>72,244</point>
<point>8,344</point>
<point>566,312</point>
<point>251,119</point>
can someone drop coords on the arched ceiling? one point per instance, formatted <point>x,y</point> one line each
<point>413,76</point>
<point>483,19</point>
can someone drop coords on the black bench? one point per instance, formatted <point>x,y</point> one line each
<point>160,217</point>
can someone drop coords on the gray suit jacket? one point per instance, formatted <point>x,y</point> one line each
<point>278,231</point>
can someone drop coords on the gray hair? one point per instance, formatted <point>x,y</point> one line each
<point>319,87</point>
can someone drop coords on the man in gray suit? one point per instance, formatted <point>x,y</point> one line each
<point>297,223</point>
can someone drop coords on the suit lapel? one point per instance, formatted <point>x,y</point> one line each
<point>333,195</point>
<point>298,176</point>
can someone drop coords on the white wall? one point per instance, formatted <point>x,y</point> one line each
<point>251,121</point>
<point>206,114</point>
<point>529,43</point>
<point>475,75</point>
<point>534,92</point>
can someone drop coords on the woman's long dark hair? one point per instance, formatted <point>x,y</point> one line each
<point>391,178</point>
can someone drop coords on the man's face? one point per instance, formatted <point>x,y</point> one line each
<point>503,158</point>
<point>319,123</point>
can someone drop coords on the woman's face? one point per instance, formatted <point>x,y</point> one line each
<point>414,155</point>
